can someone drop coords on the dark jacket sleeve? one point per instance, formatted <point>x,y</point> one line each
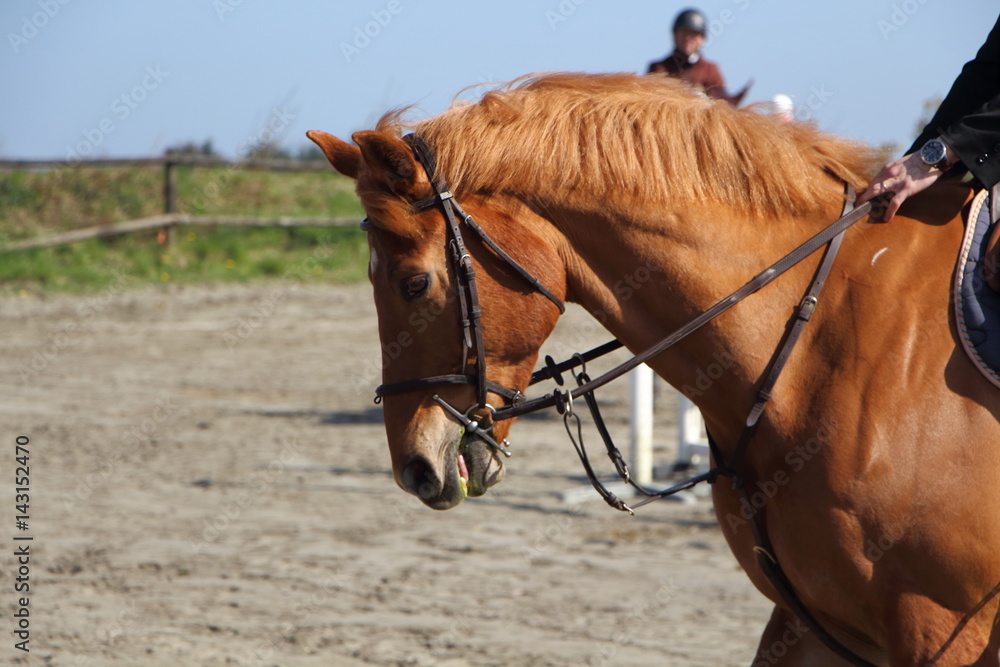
<point>976,140</point>
<point>968,119</point>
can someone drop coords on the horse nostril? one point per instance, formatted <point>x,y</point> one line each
<point>420,478</point>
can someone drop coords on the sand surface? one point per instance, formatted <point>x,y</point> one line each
<point>210,485</point>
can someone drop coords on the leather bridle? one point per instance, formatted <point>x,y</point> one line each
<point>480,418</point>
<point>477,419</point>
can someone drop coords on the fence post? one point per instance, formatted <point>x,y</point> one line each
<point>641,418</point>
<point>169,199</point>
<point>169,186</point>
<point>692,444</point>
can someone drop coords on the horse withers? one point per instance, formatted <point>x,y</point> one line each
<point>881,441</point>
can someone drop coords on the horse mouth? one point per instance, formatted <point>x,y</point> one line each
<point>479,467</point>
<point>470,468</point>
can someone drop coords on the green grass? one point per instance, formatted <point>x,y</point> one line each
<point>197,255</point>
<point>41,203</point>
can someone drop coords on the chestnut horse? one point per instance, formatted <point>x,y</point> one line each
<point>877,461</point>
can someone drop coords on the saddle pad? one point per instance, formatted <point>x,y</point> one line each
<point>977,305</point>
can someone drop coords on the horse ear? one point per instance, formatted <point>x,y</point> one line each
<point>390,158</point>
<point>344,157</point>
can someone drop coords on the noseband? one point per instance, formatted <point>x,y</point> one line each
<point>474,417</point>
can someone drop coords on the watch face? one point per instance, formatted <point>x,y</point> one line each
<point>932,152</point>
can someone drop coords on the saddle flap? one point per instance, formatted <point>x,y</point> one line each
<point>976,297</point>
<point>991,264</point>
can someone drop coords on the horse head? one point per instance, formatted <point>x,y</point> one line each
<point>442,439</point>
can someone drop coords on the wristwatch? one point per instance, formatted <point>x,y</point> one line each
<point>935,155</point>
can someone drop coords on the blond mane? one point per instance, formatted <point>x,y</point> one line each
<point>645,138</point>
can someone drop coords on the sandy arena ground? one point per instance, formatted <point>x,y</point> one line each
<point>210,485</point>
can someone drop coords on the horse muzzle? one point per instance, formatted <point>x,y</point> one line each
<point>466,468</point>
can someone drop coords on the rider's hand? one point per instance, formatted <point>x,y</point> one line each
<point>902,178</point>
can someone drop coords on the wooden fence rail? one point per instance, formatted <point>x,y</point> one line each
<point>170,217</point>
<point>277,164</point>
<point>169,164</point>
<point>168,221</point>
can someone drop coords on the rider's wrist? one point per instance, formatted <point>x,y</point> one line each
<point>936,154</point>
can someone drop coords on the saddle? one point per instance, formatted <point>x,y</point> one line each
<point>977,287</point>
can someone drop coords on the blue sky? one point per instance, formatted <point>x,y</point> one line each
<point>120,78</point>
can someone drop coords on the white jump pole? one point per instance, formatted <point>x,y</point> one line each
<point>641,465</point>
<point>692,446</point>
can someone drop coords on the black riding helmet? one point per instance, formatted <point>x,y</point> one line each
<point>691,19</point>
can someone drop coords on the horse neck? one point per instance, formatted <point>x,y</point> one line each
<point>645,274</point>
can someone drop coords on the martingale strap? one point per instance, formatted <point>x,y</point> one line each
<point>731,469</point>
<point>799,320</point>
<point>766,558</point>
<point>554,371</point>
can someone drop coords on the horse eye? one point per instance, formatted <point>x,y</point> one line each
<point>414,287</point>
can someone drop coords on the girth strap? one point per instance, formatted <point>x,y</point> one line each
<point>769,565</point>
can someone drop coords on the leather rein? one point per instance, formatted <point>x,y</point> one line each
<point>479,418</point>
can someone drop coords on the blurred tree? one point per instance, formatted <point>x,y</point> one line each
<point>268,150</point>
<point>931,105</point>
<point>192,148</point>
<point>311,152</point>
<point>888,151</point>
